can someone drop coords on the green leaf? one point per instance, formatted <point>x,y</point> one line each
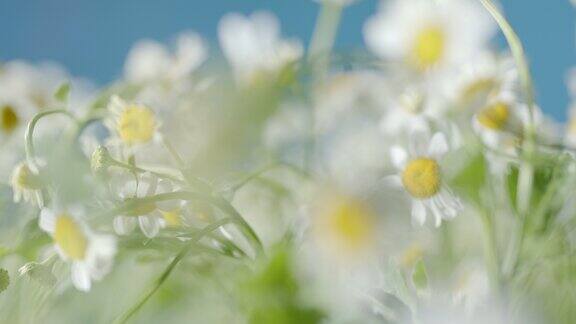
<point>469,181</point>
<point>420,276</point>
<point>4,279</point>
<point>63,92</point>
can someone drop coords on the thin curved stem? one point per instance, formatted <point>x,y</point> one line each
<point>169,269</point>
<point>29,136</point>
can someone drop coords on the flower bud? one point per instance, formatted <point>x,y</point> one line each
<point>23,177</point>
<point>100,160</point>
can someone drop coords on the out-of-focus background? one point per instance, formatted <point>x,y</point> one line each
<point>91,38</point>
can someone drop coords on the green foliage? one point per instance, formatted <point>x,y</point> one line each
<point>63,92</point>
<point>420,276</point>
<point>272,294</point>
<point>471,178</point>
<point>4,279</point>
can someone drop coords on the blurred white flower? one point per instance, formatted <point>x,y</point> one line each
<point>91,255</point>
<point>150,216</point>
<point>483,79</point>
<point>131,124</point>
<point>253,45</point>
<point>26,184</point>
<point>422,177</point>
<point>150,61</point>
<point>500,123</point>
<point>427,35</point>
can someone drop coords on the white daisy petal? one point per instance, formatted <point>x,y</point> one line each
<point>438,146</point>
<point>47,220</point>
<point>418,212</point>
<point>80,276</point>
<point>398,156</point>
<point>150,225</point>
<point>123,225</point>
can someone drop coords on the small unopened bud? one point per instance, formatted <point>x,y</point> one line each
<point>39,273</point>
<point>4,280</point>
<point>100,160</point>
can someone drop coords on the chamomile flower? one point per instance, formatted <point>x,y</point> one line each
<point>132,124</point>
<point>500,123</point>
<point>253,45</point>
<point>427,35</point>
<point>26,184</point>
<point>409,110</point>
<point>90,254</point>
<point>150,216</point>
<point>151,61</point>
<point>344,226</point>
<point>421,176</point>
<point>482,80</point>
<point>570,132</point>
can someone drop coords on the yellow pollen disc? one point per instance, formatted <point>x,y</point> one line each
<point>421,178</point>
<point>494,116</point>
<point>350,224</point>
<point>172,218</point>
<point>8,119</point>
<point>70,238</point>
<point>429,47</point>
<point>136,125</point>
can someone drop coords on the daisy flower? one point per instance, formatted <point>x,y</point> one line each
<point>132,124</point>
<point>500,123</point>
<point>26,184</point>
<point>150,217</point>
<point>344,226</point>
<point>421,177</point>
<point>149,60</point>
<point>482,80</point>
<point>253,45</point>
<point>90,254</point>
<point>427,34</point>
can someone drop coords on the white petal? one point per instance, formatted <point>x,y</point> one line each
<point>438,146</point>
<point>150,225</point>
<point>436,212</point>
<point>80,276</point>
<point>419,142</point>
<point>123,225</point>
<point>100,256</point>
<point>418,213</point>
<point>47,220</point>
<point>398,156</point>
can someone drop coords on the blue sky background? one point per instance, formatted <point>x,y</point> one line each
<point>91,37</point>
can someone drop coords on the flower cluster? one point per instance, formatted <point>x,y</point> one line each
<point>265,182</point>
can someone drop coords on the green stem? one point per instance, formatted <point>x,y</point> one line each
<point>137,169</point>
<point>491,251</point>
<point>324,36</point>
<point>526,173</point>
<point>219,202</point>
<point>29,136</point>
<point>166,273</point>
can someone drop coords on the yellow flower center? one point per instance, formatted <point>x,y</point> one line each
<point>8,119</point>
<point>429,47</point>
<point>572,126</point>
<point>421,178</point>
<point>172,218</point>
<point>69,237</point>
<point>350,225</point>
<point>494,116</point>
<point>136,125</point>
